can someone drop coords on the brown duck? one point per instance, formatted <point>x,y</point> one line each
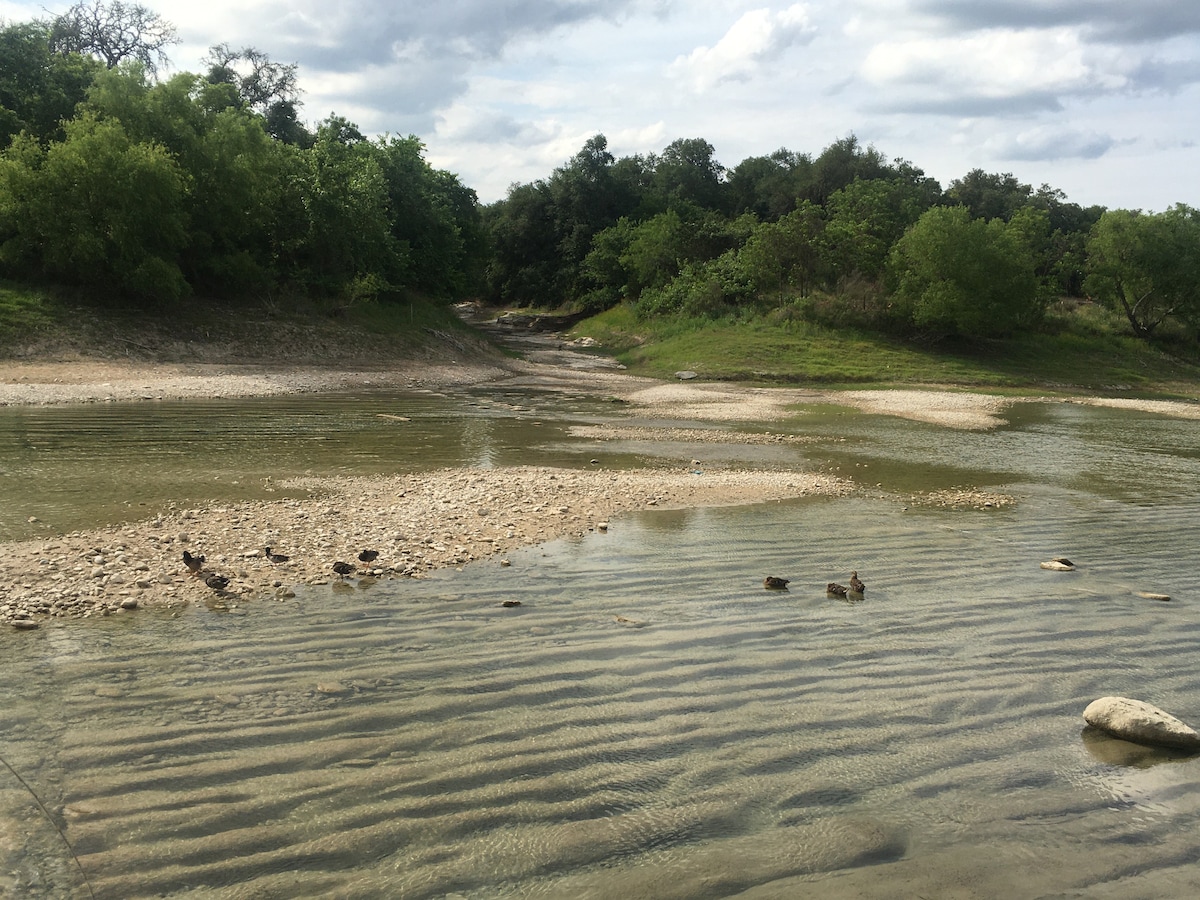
<point>855,584</point>
<point>838,590</point>
<point>194,563</point>
<point>771,583</point>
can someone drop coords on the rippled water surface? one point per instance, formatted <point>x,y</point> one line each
<point>650,722</point>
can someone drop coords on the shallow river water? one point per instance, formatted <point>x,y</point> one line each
<point>649,722</point>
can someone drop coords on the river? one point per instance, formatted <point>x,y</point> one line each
<point>649,721</point>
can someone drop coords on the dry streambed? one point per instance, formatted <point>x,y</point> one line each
<point>418,523</point>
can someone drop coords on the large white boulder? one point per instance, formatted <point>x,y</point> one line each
<point>1138,721</point>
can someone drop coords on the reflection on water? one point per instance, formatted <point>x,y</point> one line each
<point>74,466</point>
<point>651,722</point>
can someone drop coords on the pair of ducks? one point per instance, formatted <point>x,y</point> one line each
<point>344,568</point>
<point>195,566</point>
<point>838,590</point>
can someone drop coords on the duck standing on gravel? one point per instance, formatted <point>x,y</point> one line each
<point>343,569</point>
<point>194,563</point>
<point>274,557</point>
<point>217,582</point>
<point>368,556</point>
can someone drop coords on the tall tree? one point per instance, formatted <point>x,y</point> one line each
<point>1147,265</point>
<point>988,195</point>
<point>959,276</point>
<point>768,186</point>
<point>96,209</point>
<point>114,32</point>
<point>39,89</point>
<point>263,85</point>
<point>687,172</point>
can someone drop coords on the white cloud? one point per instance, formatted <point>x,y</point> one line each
<point>757,36</point>
<point>998,63</point>
<point>1053,142</point>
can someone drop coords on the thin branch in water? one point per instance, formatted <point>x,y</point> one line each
<point>50,819</point>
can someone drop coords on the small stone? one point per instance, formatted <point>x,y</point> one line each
<point>24,624</point>
<point>1150,595</point>
<point>509,604</point>
<point>129,603</point>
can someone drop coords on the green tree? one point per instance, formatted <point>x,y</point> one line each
<point>989,196</point>
<point>39,89</point>
<point>864,220</point>
<point>347,248</point>
<point>768,186</point>
<point>958,276</point>
<point>96,209</point>
<point>263,85</point>
<point>1147,265</point>
<point>687,172</point>
<point>842,162</point>
<point>433,216</point>
<point>785,255</point>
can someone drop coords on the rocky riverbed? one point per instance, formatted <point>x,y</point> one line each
<point>417,523</point>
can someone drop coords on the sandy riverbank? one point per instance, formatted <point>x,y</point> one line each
<point>418,523</point>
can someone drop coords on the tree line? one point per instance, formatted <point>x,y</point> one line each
<point>207,184</point>
<point>847,237</point>
<point>210,185</point>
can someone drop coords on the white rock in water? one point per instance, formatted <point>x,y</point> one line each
<point>1138,721</point>
<point>1055,565</point>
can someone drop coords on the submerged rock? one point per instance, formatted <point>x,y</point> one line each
<point>1138,721</point>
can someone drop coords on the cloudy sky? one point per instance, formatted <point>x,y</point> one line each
<point>1100,98</point>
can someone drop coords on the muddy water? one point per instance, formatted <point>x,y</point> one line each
<point>650,722</point>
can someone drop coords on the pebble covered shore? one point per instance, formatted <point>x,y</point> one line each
<point>417,522</point>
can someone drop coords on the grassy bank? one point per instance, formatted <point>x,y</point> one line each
<point>44,324</point>
<point>1079,348</point>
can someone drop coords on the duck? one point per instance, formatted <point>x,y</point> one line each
<point>274,557</point>
<point>838,590</point>
<point>217,582</point>
<point>194,563</point>
<point>855,584</point>
<point>771,583</point>
<point>343,569</point>
<point>368,556</point>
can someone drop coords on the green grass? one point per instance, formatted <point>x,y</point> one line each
<point>1067,355</point>
<point>36,323</point>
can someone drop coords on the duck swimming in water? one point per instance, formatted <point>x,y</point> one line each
<point>838,590</point>
<point>855,585</point>
<point>771,583</point>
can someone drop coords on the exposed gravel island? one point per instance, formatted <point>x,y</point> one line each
<point>418,523</point>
